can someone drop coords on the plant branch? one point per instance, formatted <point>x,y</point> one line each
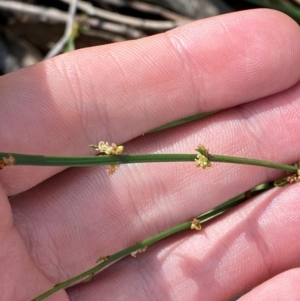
<point>182,121</point>
<point>36,160</point>
<point>91,10</point>
<point>7,159</point>
<point>67,34</point>
<point>248,161</point>
<point>141,246</point>
<point>102,29</point>
<point>149,8</point>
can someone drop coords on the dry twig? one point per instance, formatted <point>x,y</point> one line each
<point>53,15</point>
<point>68,31</point>
<point>91,10</point>
<point>43,13</point>
<point>148,8</point>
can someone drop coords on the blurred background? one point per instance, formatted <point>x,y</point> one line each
<point>32,30</point>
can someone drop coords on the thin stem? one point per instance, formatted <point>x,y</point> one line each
<point>68,31</point>
<point>141,246</point>
<point>210,214</point>
<point>20,159</point>
<point>114,257</point>
<point>182,121</point>
<point>148,24</point>
<point>248,161</point>
<point>36,160</point>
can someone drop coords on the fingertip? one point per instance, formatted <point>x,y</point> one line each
<point>281,287</point>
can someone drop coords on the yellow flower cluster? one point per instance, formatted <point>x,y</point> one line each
<point>294,178</point>
<point>113,149</point>
<point>202,157</point>
<point>195,224</point>
<point>7,161</point>
<point>134,253</point>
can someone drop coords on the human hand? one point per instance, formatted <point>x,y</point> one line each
<point>58,222</point>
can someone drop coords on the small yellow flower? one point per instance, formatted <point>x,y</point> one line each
<point>195,225</point>
<point>294,178</point>
<point>202,157</point>
<point>291,179</point>
<point>134,253</point>
<point>102,259</point>
<point>113,149</point>
<point>111,169</point>
<point>7,161</point>
<point>118,149</point>
<point>202,161</point>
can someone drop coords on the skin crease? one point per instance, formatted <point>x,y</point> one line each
<point>58,222</point>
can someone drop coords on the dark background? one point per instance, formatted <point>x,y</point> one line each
<point>29,29</point>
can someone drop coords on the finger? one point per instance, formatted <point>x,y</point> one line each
<point>141,200</point>
<point>19,277</point>
<point>281,287</point>
<point>103,93</point>
<point>226,258</point>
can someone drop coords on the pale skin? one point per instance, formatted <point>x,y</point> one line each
<point>247,63</point>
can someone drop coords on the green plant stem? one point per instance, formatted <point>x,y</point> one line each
<point>205,217</point>
<point>21,159</point>
<point>248,161</point>
<point>34,160</point>
<point>182,121</point>
<point>113,258</point>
